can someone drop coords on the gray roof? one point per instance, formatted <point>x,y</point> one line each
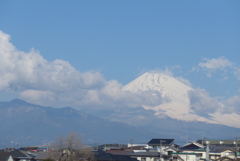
<point>148,154</point>
<point>214,148</point>
<point>4,156</point>
<point>219,142</point>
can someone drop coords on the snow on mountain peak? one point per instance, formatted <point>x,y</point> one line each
<point>166,85</point>
<point>177,92</point>
<point>177,104</point>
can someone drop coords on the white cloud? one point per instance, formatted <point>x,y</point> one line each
<point>233,103</point>
<point>219,63</point>
<point>59,84</point>
<point>38,96</point>
<point>237,72</point>
<point>213,65</point>
<point>201,102</point>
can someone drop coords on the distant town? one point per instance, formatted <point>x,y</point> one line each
<point>157,149</point>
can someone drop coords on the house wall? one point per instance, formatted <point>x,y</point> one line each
<point>156,147</point>
<point>147,159</point>
<point>187,157</point>
<point>214,156</point>
<point>228,153</point>
<point>203,153</point>
<point>10,158</point>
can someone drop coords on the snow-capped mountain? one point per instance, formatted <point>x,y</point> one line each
<point>176,101</point>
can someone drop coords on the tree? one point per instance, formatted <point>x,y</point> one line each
<point>72,148</point>
<point>49,159</point>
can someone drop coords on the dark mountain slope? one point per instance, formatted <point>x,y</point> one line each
<point>28,124</point>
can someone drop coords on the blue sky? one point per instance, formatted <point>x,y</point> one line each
<point>120,40</point>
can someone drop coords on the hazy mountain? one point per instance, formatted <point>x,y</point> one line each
<point>24,123</point>
<point>168,127</point>
<point>28,124</point>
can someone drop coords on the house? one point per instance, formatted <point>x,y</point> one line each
<point>45,155</point>
<point>230,153</point>
<point>102,156</point>
<point>157,149</point>
<point>5,156</point>
<point>19,155</point>
<point>160,143</point>
<point>186,156</point>
<point>150,156</point>
<point>195,148</point>
<point>224,159</point>
<point>136,149</point>
<point>121,151</point>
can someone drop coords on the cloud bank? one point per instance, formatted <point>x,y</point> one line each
<point>59,84</point>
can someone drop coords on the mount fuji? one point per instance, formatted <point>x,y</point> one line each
<point>174,116</point>
<point>176,101</point>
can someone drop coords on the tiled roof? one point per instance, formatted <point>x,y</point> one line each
<point>101,156</point>
<point>20,154</point>
<point>17,153</point>
<point>119,152</point>
<point>220,148</point>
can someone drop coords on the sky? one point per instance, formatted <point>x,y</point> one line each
<point>81,53</point>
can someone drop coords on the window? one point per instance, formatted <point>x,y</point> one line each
<point>199,154</point>
<point>143,159</point>
<point>229,153</point>
<point>156,159</point>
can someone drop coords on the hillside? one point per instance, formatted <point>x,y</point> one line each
<point>28,124</point>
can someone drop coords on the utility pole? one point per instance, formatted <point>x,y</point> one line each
<point>97,147</point>
<point>207,150</point>
<point>161,141</point>
<point>131,142</point>
<point>236,147</point>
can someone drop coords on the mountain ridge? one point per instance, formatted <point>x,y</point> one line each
<point>31,124</point>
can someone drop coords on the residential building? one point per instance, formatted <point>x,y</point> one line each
<point>5,156</point>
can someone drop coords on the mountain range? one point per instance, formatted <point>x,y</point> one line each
<point>26,124</point>
<point>23,123</point>
<point>174,116</point>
